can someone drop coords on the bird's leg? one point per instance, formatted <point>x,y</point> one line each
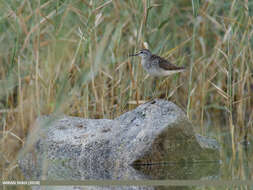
<point>154,87</point>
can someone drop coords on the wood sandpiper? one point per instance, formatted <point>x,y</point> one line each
<point>156,65</point>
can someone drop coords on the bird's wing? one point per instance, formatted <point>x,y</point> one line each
<point>163,63</point>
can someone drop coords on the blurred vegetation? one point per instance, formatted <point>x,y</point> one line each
<point>72,57</point>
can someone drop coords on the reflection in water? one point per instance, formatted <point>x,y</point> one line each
<point>237,164</point>
<point>183,171</point>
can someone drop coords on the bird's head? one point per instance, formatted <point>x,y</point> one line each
<point>144,53</point>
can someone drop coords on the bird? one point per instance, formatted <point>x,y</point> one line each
<point>157,66</point>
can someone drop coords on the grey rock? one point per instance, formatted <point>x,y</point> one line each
<point>157,132</point>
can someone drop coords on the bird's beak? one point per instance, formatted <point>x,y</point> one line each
<point>134,54</point>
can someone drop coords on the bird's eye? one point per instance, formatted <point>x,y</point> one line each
<point>141,51</point>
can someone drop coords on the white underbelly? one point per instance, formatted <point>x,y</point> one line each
<point>160,72</point>
<point>156,71</point>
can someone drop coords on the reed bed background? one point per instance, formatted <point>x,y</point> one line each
<point>72,57</point>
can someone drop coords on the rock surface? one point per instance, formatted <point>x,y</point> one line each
<point>76,149</point>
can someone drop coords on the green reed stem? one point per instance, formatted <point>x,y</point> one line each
<point>195,6</point>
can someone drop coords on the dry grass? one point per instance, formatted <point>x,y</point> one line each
<point>71,57</point>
